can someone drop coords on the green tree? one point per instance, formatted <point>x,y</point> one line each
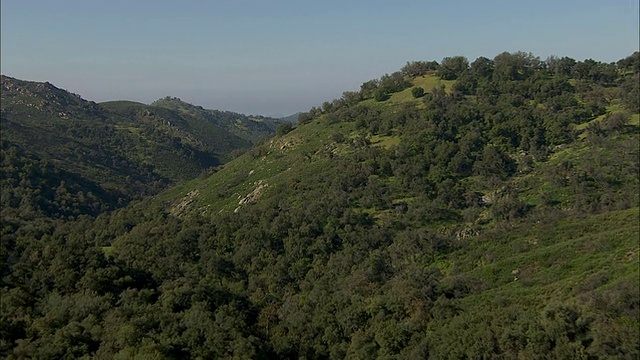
<point>394,82</point>
<point>560,66</point>
<point>451,67</point>
<point>284,128</point>
<point>630,63</point>
<point>630,93</point>
<point>515,66</point>
<point>493,162</point>
<point>380,95</point>
<point>417,92</point>
<point>419,68</point>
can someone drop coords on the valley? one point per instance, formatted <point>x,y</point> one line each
<point>449,210</point>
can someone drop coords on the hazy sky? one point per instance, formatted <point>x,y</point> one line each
<point>280,57</point>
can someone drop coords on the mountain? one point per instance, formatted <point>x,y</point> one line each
<point>293,118</point>
<point>455,210</point>
<point>64,156</point>
<point>250,128</point>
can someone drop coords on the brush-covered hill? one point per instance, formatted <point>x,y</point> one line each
<point>448,210</point>
<point>293,118</point>
<point>64,156</point>
<point>250,128</point>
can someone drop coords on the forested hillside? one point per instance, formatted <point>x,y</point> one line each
<point>63,156</point>
<point>251,128</point>
<point>449,210</point>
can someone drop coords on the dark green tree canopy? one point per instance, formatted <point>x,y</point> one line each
<point>419,68</point>
<point>515,66</point>
<point>417,92</point>
<point>451,67</point>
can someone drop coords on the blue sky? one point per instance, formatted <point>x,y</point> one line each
<point>280,57</point>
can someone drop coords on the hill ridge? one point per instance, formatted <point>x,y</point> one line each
<point>126,150</point>
<point>494,214</point>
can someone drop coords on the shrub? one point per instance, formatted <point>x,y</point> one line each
<point>283,129</point>
<point>380,95</point>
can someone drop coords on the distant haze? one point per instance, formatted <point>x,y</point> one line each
<point>278,58</point>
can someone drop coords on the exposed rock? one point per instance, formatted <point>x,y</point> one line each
<point>255,194</point>
<point>466,233</point>
<point>252,196</point>
<point>283,144</point>
<point>183,204</point>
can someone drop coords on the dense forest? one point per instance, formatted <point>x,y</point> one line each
<point>449,210</point>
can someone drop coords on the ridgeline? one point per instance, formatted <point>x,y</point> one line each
<point>449,210</point>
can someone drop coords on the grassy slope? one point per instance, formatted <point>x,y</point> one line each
<point>296,153</point>
<point>285,160</point>
<point>280,161</point>
<point>553,260</point>
<point>583,263</point>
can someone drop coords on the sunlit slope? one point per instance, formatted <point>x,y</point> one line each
<point>494,215</point>
<point>286,160</point>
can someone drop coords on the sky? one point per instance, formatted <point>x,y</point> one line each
<point>275,57</point>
